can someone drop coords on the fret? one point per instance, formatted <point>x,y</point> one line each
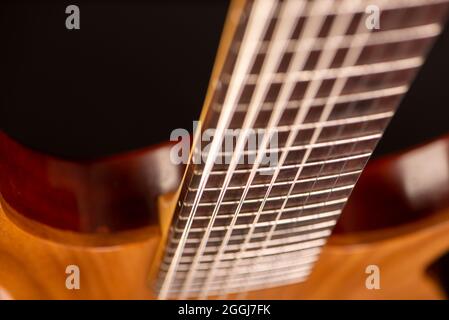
<point>256,245</point>
<point>418,30</point>
<point>347,98</point>
<point>279,188</point>
<point>305,218</point>
<point>277,234</point>
<point>275,281</point>
<point>248,262</point>
<point>331,123</point>
<point>344,72</point>
<point>246,269</point>
<point>293,166</point>
<point>308,146</point>
<point>353,91</point>
<point>257,286</point>
<point>265,252</point>
<point>328,167</point>
<point>246,208</point>
<point>283,183</point>
<point>300,143</point>
<point>409,34</point>
<point>399,5</point>
<point>292,196</point>
<point>290,218</point>
<point>253,276</point>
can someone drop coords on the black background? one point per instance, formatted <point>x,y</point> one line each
<point>137,70</point>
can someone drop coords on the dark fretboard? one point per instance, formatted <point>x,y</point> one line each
<point>313,75</point>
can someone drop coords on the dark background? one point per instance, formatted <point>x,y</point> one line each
<point>137,70</point>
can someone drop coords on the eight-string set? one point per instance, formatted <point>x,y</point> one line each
<point>313,74</point>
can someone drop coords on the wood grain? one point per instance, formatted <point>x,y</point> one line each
<point>32,266</point>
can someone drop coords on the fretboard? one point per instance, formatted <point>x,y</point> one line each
<point>316,77</point>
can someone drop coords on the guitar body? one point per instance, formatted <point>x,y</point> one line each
<point>34,257</point>
<point>272,197</point>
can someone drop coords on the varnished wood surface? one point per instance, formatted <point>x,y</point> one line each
<point>33,266</point>
<point>106,195</point>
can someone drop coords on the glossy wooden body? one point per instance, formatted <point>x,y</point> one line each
<point>409,233</point>
<point>105,195</point>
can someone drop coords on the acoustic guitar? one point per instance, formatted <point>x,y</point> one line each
<point>247,208</point>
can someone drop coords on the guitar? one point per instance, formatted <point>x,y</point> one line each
<point>259,202</point>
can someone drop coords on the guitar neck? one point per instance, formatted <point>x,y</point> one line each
<point>301,94</point>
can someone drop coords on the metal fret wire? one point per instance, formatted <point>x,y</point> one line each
<point>275,198</point>
<point>306,146</point>
<point>244,61</point>
<point>258,16</point>
<point>249,268</point>
<point>339,26</point>
<point>388,5</point>
<point>332,123</point>
<point>284,221</point>
<point>268,258</point>
<point>311,227</point>
<point>350,71</point>
<point>288,10</point>
<point>379,38</point>
<point>298,238</point>
<point>290,166</point>
<point>345,98</point>
<point>263,185</point>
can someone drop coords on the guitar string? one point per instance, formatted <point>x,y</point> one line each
<point>263,9</point>
<point>350,59</point>
<point>282,30</point>
<point>243,63</point>
<point>310,94</point>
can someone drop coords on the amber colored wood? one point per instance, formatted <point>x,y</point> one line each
<point>33,266</point>
<point>34,257</point>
